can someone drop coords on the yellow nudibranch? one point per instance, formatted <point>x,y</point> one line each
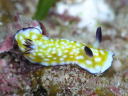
<point>38,48</point>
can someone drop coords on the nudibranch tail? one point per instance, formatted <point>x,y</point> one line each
<point>95,66</point>
<point>38,48</point>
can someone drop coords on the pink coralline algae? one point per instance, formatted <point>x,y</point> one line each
<point>7,44</point>
<point>3,64</point>
<point>115,90</point>
<point>12,79</point>
<point>18,77</point>
<point>8,81</point>
<point>20,22</point>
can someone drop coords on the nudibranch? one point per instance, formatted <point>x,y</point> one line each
<point>38,48</point>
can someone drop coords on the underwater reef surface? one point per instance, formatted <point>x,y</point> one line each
<point>20,77</point>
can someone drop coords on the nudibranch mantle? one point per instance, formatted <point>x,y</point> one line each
<point>38,48</point>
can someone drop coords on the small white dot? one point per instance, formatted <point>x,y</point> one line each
<point>54,58</point>
<point>94,50</point>
<point>53,49</point>
<point>74,50</point>
<point>34,53</point>
<point>35,50</point>
<point>67,46</point>
<point>101,51</point>
<point>62,42</point>
<point>51,40</point>
<point>78,44</point>
<point>27,34</point>
<point>39,50</point>
<point>65,56</point>
<point>49,49</point>
<point>97,59</point>
<point>67,40</point>
<point>95,53</point>
<point>21,38</point>
<point>79,57</point>
<point>22,48</point>
<point>43,46</point>
<point>66,51</point>
<point>40,54</point>
<point>88,62</point>
<point>40,43</point>
<point>71,53</point>
<point>49,56</point>
<point>57,45</point>
<point>63,47</point>
<point>22,41</point>
<point>72,41</point>
<point>61,59</point>
<point>34,37</point>
<point>45,38</point>
<point>46,59</point>
<point>50,44</point>
<point>59,54</point>
<point>53,52</point>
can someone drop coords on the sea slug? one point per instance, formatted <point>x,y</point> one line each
<point>38,48</point>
